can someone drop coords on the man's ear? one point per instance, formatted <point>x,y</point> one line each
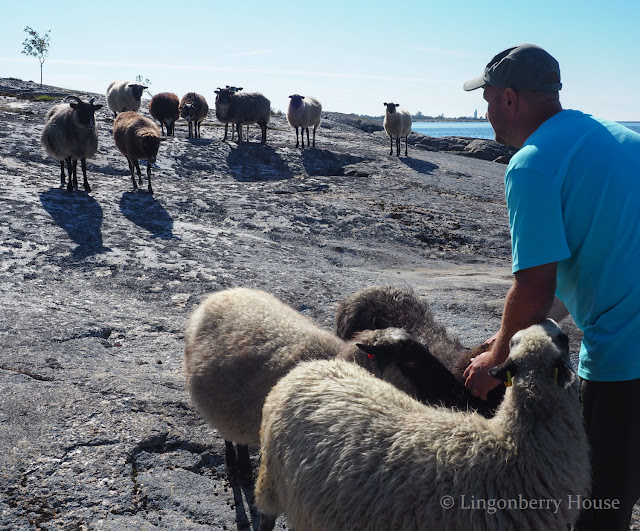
<point>510,99</point>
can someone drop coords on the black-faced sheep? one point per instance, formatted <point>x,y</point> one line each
<point>194,109</point>
<point>124,96</point>
<point>382,306</point>
<point>243,108</point>
<point>240,342</point>
<point>344,451</point>
<point>137,138</point>
<point>70,135</point>
<point>304,112</point>
<point>164,108</point>
<point>397,123</point>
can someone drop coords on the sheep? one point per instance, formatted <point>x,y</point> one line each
<point>194,109</point>
<point>304,112</point>
<point>124,96</point>
<point>342,450</point>
<point>70,135</point>
<point>243,108</point>
<point>397,122</point>
<point>137,138</point>
<point>384,306</point>
<point>240,341</point>
<point>226,125</point>
<point>164,108</point>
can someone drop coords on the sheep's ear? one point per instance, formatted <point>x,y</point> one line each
<point>499,372</point>
<point>565,375</point>
<point>96,107</point>
<point>380,323</point>
<point>562,342</point>
<point>239,89</point>
<point>385,104</point>
<point>397,105</point>
<point>291,96</point>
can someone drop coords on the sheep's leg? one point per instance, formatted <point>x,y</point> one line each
<point>297,139</point>
<point>70,172</point>
<point>267,523</point>
<point>391,152</point>
<point>190,129</point>
<point>314,135</point>
<point>149,177</point>
<point>230,459</point>
<point>83,164</point>
<point>62,179</point>
<point>75,173</point>
<point>308,143</point>
<point>398,146</point>
<point>406,145</point>
<point>245,475</point>
<point>133,176</point>
<point>226,132</point>
<point>239,131</point>
<point>264,133</point>
<point>140,181</point>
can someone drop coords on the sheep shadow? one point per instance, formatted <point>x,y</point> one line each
<point>421,166</point>
<point>80,215</point>
<point>142,209</point>
<point>324,162</point>
<point>257,162</point>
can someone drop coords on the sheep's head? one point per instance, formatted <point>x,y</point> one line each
<point>223,96</point>
<point>538,354</point>
<point>404,360</point>
<point>391,107</point>
<point>233,89</point>
<point>149,144</point>
<point>188,111</point>
<point>296,100</point>
<point>137,89</point>
<point>84,113</point>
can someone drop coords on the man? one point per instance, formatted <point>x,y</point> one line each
<point>573,195</point>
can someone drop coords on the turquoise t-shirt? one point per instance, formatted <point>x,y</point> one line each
<point>573,194</point>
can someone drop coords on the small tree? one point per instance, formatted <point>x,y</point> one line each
<point>36,46</point>
<point>144,81</point>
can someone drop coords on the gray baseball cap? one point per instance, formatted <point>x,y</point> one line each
<point>523,67</point>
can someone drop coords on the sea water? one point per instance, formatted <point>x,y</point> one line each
<point>476,129</point>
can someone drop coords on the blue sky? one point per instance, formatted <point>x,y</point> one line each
<point>352,55</point>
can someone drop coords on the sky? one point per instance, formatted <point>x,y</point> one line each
<point>351,55</point>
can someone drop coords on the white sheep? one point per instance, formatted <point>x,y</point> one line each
<point>342,450</point>
<point>137,137</point>
<point>240,342</point>
<point>124,96</point>
<point>304,112</point>
<point>243,108</point>
<point>70,135</point>
<point>397,122</point>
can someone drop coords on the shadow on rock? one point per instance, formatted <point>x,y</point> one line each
<point>80,216</point>
<point>142,209</point>
<point>323,162</point>
<point>257,162</point>
<point>421,166</point>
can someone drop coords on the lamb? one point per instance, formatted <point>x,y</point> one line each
<point>70,135</point>
<point>164,108</point>
<point>194,109</point>
<point>384,306</point>
<point>304,112</point>
<point>243,108</point>
<point>137,138</point>
<point>397,122</point>
<point>124,96</point>
<point>240,341</point>
<point>342,450</point>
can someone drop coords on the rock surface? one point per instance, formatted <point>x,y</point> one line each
<point>97,429</point>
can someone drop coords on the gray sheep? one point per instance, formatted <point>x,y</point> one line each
<point>304,112</point>
<point>344,451</point>
<point>240,342</point>
<point>164,108</point>
<point>137,138</point>
<point>243,108</point>
<point>397,123</point>
<point>124,96</point>
<point>384,306</point>
<point>226,125</point>
<point>70,135</point>
<point>194,109</point>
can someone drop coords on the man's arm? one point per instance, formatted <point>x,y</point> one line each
<point>528,302</point>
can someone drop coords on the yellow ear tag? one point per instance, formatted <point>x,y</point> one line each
<point>508,383</point>
<point>555,375</point>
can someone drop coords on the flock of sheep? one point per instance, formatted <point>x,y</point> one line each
<point>371,427</point>
<point>70,134</point>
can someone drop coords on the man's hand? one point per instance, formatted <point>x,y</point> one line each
<point>476,378</point>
